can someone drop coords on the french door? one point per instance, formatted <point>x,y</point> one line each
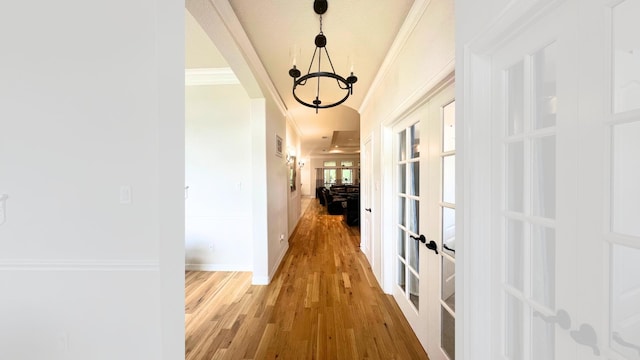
<point>424,198</point>
<point>565,170</point>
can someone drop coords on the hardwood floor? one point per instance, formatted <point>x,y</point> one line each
<point>323,303</point>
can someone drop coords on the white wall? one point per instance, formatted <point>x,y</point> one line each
<point>218,210</point>
<point>278,188</point>
<point>294,197</point>
<point>269,172</point>
<point>87,108</point>
<point>427,55</point>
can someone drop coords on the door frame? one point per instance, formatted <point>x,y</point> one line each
<point>474,266</point>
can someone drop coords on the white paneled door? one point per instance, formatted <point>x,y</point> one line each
<point>424,222</point>
<point>566,177</point>
<point>365,206</point>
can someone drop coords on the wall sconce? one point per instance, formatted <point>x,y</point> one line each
<point>291,156</point>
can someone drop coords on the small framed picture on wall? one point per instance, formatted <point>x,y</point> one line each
<point>278,146</point>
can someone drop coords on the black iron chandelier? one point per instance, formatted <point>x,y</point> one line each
<point>320,7</point>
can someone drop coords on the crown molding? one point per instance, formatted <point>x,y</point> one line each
<point>413,18</point>
<point>210,76</point>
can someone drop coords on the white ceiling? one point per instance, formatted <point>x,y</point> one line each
<point>199,50</point>
<point>359,34</point>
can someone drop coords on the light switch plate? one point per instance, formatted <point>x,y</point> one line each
<point>125,194</point>
<point>3,208</point>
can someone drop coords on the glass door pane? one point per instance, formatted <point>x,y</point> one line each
<point>408,213</point>
<point>528,210</point>
<point>448,231</point>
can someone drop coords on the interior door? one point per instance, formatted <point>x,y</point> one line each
<point>424,145</point>
<point>534,161</point>
<point>441,226</point>
<point>409,261</point>
<point>565,195</point>
<point>365,208</point>
<point>613,120</point>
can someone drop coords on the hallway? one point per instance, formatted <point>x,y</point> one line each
<point>323,303</point>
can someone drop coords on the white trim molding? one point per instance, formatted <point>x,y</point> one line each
<point>210,76</point>
<point>77,265</point>
<point>410,23</point>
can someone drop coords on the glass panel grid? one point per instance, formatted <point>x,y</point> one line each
<point>515,176</point>
<point>448,230</point>
<point>414,138</point>
<point>402,211</point>
<point>402,178</point>
<point>529,159</point>
<point>414,216</point>
<point>448,281</point>
<point>408,180</point>
<point>402,146</point>
<point>543,177</point>
<point>625,300</point>
<point>401,245</point>
<point>414,254</point>
<point>514,325</point>
<point>401,275</point>
<point>515,98</point>
<point>544,84</point>
<point>626,57</point>
<point>514,254</point>
<point>449,179</point>
<point>414,178</point>
<point>543,336</point>
<point>625,179</point>
<point>447,337</point>
<point>449,127</point>
<point>543,265</point>
<point>414,290</point>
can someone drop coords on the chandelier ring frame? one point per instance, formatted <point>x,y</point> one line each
<point>340,79</point>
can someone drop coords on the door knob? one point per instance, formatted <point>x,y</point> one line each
<point>618,338</point>
<point>420,238</point>
<point>586,336</point>
<point>561,318</point>
<point>432,246</point>
<point>369,209</point>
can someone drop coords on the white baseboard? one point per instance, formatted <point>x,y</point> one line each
<point>260,280</point>
<point>266,280</point>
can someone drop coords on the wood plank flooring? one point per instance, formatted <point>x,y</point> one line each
<point>323,303</point>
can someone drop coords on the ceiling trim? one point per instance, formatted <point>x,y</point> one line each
<point>422,94</point>
<point>210,76</point>
<point>291,120</point>
<point>413,18</point>
<point>242,40</point>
